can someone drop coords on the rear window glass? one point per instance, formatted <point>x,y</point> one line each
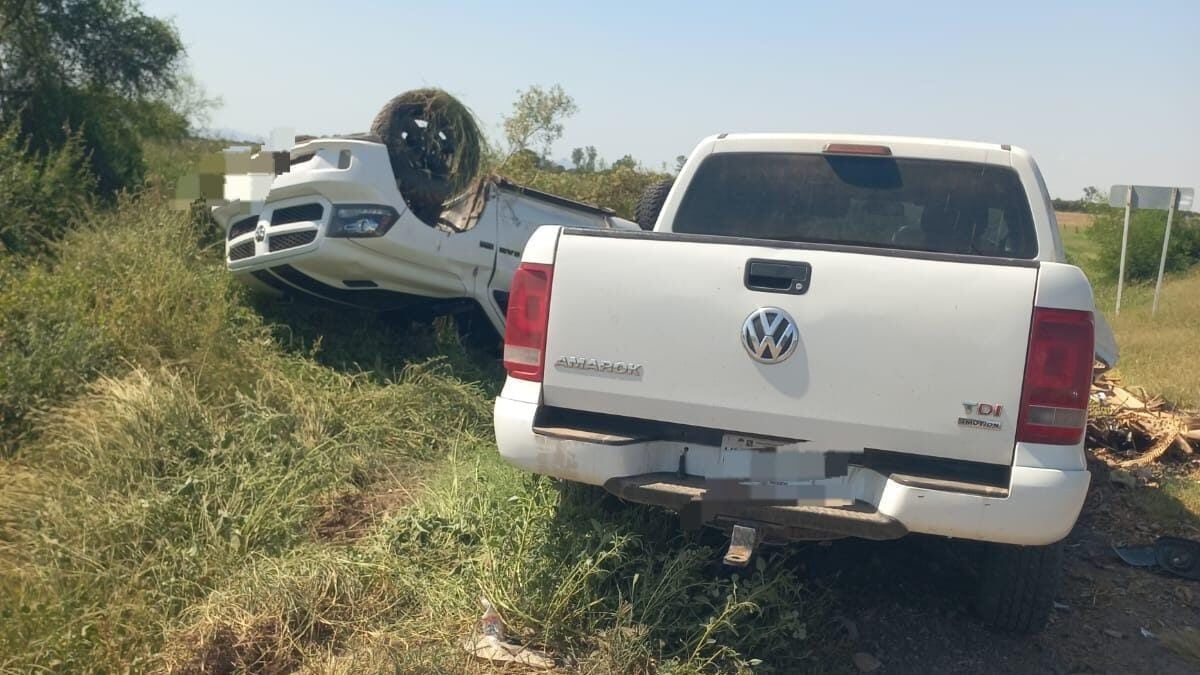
<point>887,202</point>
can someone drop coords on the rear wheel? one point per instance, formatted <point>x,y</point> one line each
<point>651,202</point>
<point>1017,586</point>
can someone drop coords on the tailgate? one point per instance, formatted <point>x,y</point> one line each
<point>917,354</point>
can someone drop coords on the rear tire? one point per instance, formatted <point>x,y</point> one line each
<point>645,213</point>
<point>1017,586</point>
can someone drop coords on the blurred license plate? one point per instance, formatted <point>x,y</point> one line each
<point>777,460</point>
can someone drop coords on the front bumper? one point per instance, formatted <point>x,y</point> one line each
<point>297,258</point>
<point>1039,507</point>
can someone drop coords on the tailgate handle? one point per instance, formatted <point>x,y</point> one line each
<point>778,276</point>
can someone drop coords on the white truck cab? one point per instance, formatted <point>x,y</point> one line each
<point>824,336</point>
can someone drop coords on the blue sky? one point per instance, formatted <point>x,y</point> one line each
<point>1100,92</point>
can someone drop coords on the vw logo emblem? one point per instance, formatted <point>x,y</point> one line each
<point>769,335</point>
<point>260,232</point>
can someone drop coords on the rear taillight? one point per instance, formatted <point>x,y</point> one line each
<point>528,316</point>
<point>1058,377</point>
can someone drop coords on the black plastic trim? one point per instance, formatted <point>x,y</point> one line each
<point>616,430</point>
<point>286,240</point>
<point>297,214</point>
<point>243,226</point>
<point>778,276</point>
<point>888,462</point>
<point>241,251</point>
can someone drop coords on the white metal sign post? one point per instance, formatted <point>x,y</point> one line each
<point>1124,243</point>
<point>1147,197</point>
<point>1162,262</point>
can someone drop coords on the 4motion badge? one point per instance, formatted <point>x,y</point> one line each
<point>981,416</point>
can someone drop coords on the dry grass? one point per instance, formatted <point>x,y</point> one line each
<point>1160,352</point>
<point>1074,220</point>
<point>1185,642</point>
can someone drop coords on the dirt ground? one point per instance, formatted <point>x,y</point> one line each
<point>906,603</point>
<point>1071,219</point>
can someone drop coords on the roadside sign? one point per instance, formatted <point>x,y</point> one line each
<point>1147,197</point>
<point>1150,197</point>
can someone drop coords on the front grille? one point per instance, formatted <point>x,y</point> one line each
<point>279,242</point>
<point>243,226</point>
<point>242,250</point>
<point>297,214</point>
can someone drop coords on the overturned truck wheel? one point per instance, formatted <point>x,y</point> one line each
<point>433,143</point>
<point>648,206</point>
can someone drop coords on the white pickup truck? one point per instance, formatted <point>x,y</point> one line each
<point>824,336</point>
<point>336,226</point>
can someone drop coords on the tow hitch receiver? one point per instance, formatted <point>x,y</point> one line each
<point>741,546</point>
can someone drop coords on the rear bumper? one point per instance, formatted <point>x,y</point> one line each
<point>1039,507</point>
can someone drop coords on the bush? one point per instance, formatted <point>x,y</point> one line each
<point>1146,229</point>
<point>40,196</point>
<point>130,288</point>
<point>617,188</point>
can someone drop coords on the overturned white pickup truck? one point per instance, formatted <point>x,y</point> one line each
<point>391,220</point>
<point>335,226</point>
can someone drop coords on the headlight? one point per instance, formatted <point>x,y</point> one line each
<point>358,220</point>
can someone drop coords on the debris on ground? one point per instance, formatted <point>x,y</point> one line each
<point>1129,428</point>
<point>1174,555</point>
<point>489,643</point>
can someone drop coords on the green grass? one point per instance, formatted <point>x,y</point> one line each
<point>170,449</point>
<point>1081,249</point>
<point>1175,505</point>
<point>1159,351</point>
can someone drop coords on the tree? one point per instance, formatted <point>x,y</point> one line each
<point>584,159</point>
<point>1093,195</point>
<point>99,68</point>
<point>680,160</point>
<point>537,118</point>
<point>627,162</point>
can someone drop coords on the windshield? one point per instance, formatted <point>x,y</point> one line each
<point>914,204</point>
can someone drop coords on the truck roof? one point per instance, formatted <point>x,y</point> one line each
<point>900,145</point>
